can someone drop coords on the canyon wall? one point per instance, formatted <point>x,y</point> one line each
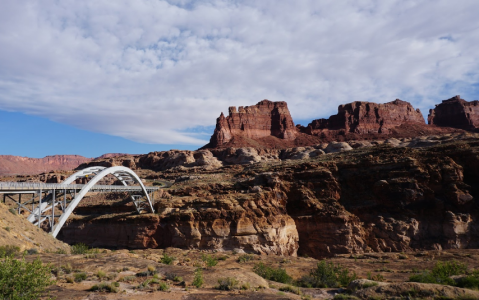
<point>379,199</point>
<point>456,112</point>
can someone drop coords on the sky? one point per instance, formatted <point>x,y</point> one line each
<point>91,77</point>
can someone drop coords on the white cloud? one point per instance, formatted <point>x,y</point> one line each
<point>151,70</point>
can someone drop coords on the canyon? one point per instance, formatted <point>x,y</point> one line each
<point>381,197</point>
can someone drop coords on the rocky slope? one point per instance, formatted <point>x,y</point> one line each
<point>16,231</point>
<point>13,165</point>
<point>457,113</point>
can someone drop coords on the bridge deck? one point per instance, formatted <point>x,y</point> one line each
<point>17,187</point>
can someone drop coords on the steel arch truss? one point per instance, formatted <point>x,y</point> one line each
<point>46,209</point>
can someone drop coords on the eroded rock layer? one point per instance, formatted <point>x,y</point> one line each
<point>457,113</point>
<point>255,223</point>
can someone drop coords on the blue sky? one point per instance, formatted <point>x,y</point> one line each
<point>137,76</point>
<point>33,136</point>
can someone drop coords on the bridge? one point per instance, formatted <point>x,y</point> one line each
<point>51,204</point>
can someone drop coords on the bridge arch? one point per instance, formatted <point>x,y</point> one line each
<point>124,174</point>
<point>83,173</point>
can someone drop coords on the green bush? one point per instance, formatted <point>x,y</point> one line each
<point>174,277</point>
<point>104,287</point>
<point>245,258</point>
<point>326,275</point>
<point>8,250</point>
<point>79,277</point>
<point>163,286</point>
<point>271,273</point>
<point>441,273</point>
<point>291,289</point>
<point>167,260</point>
<point>209,260</point>
<point>23,280</point>
<point>198,280</point>
<point>61,251</point>
<point>227,284</point>
<point>79,248</point>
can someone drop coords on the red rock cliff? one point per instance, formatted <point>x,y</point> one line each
<point>15,165</point>
<point>457,113</point>
<point>365,118</point>
<point>264,119</point>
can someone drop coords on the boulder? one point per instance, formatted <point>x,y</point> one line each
<point>337,147</point>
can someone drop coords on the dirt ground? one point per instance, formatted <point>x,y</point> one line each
<point>123,266</point>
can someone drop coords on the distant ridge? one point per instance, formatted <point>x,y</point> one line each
<point>18,165</point>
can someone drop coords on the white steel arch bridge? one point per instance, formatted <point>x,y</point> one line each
<point>54,202</point>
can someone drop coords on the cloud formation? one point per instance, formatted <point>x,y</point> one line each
<point>151,71</point>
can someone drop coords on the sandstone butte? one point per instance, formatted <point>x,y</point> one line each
<point>270,125</point>
<point>456,112</point>
<point>262,120</point>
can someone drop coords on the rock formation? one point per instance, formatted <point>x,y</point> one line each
<point>264,119</point>
<point>16,165</point>
<point>457,113</point>
<point>365,119</point>
<point>254,222</point>
<point>385,198</point>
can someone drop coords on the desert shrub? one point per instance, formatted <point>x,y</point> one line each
<point>327,274</point>
<point>163,286</point>
<point>245,286</point>
<point>61,251</point>
<point>173,277</point>
<point>369,284</point>
<point>104,287</point>
<point>167,260</point>
<point>8,250</point>
<point>290,289</point>
<point>271,273</point>
<point>12,211</point>
<point>198,279</point>
<point>79,248</point>
<point>128,278</point>
<point>227,284</point>
<point>245,258</point>
<point>345,297</point>
<point>209,260</point>
<point>441,273</point>
<point>471,281</point>
<point>66,268</point>
<point>79,277</point>
<point>23,280</point>
<point>377,277</point>
<point>31,251</point>
<point>100,274</point>
<point>151,271</point>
